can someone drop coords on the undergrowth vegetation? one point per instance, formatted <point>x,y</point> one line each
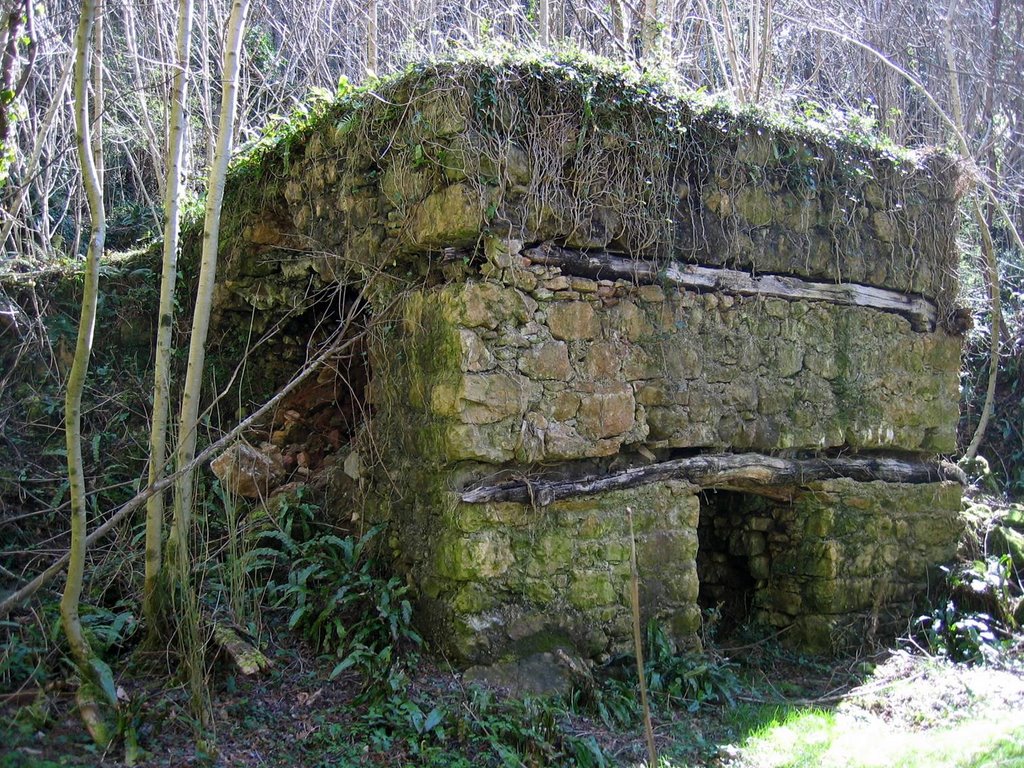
<point>337,596</point>
<point>1003,449</point>
<point>323,589</point>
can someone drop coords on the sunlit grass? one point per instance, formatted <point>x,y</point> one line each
<point>805,738</point>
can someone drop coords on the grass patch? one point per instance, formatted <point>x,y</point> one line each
<point>810,737</point>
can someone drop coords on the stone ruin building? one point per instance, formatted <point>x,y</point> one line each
<point>584,300</point>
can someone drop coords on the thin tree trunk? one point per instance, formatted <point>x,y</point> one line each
<point>97,96</point>
<point>161,383</point>
<point>650,29</point>
<point>206,62</point>
<point>619,26</point>
<point>179,558</point>
<point>154,144</point>
<point>762,58</point>
<point>544,22</point>
<point>716,42</point>
<point>69,604</point>
<point>191,391</point>
<point>740,78</point>
<point>371,38</point>
<point>987,249</point>
<point>992,162</point>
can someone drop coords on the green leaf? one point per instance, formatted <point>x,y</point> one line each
<point>342,665</point>
<point>433,719</point>
<point>296,616</point>
<point>104,678</point>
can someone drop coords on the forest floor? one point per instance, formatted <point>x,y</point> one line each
<point>897,707</point>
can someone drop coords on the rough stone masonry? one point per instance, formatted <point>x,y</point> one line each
<point>588,296</point>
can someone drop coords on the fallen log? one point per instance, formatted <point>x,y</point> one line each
<point>247,657</point>
<point>919,311</point>
<point>751,472</point>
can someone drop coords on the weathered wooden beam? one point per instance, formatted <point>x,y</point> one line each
<point>750,472</point>
<point>919,311</point>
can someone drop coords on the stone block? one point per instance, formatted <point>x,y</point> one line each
<point>492,443</point>
<point>487,304</point>
<point>602,361</point>
<point>482,555</point>
<point>482,398</point>
<point>475,355</point>
<point>548,360</point>
<point>608,411</point>
<point>573,320</point>
<point>628,320</point>
<point>591,589</point>
<point>451,217</point>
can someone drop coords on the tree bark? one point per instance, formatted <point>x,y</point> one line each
<point>98,107</point>
<point>761,60</point>
<point>729,78</point>
<point>620,25</point>
<point>191,645</point>
<point>192,388</point>
<point>161,377</point>
<point>69,604</point>
<point>154,143</point>
<point>751,472</point>
<point>371,38</point>
<point>650,29</point>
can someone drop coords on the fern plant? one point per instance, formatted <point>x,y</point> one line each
<point>340,603</point>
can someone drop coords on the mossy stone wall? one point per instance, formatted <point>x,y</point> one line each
<point>842,559</point>
<point>589,156</point>
<point>554,368</point>
<point>490,377</point>
<point>427,195</point>
<point>508,580</point>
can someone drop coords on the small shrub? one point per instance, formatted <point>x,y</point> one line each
<point>24,652</point>
<point>338,600</point>
<point>961,632</point>
<point>961,637</point>
<point>528,731</point>
<point>674,680</point>
<point>692,679</point>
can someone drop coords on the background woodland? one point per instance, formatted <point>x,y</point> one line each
<point>90,160</point>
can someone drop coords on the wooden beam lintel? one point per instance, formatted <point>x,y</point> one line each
<point>772,476</point>
<point>921,312</point>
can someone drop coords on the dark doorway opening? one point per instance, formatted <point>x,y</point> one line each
<point>732,553</point>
